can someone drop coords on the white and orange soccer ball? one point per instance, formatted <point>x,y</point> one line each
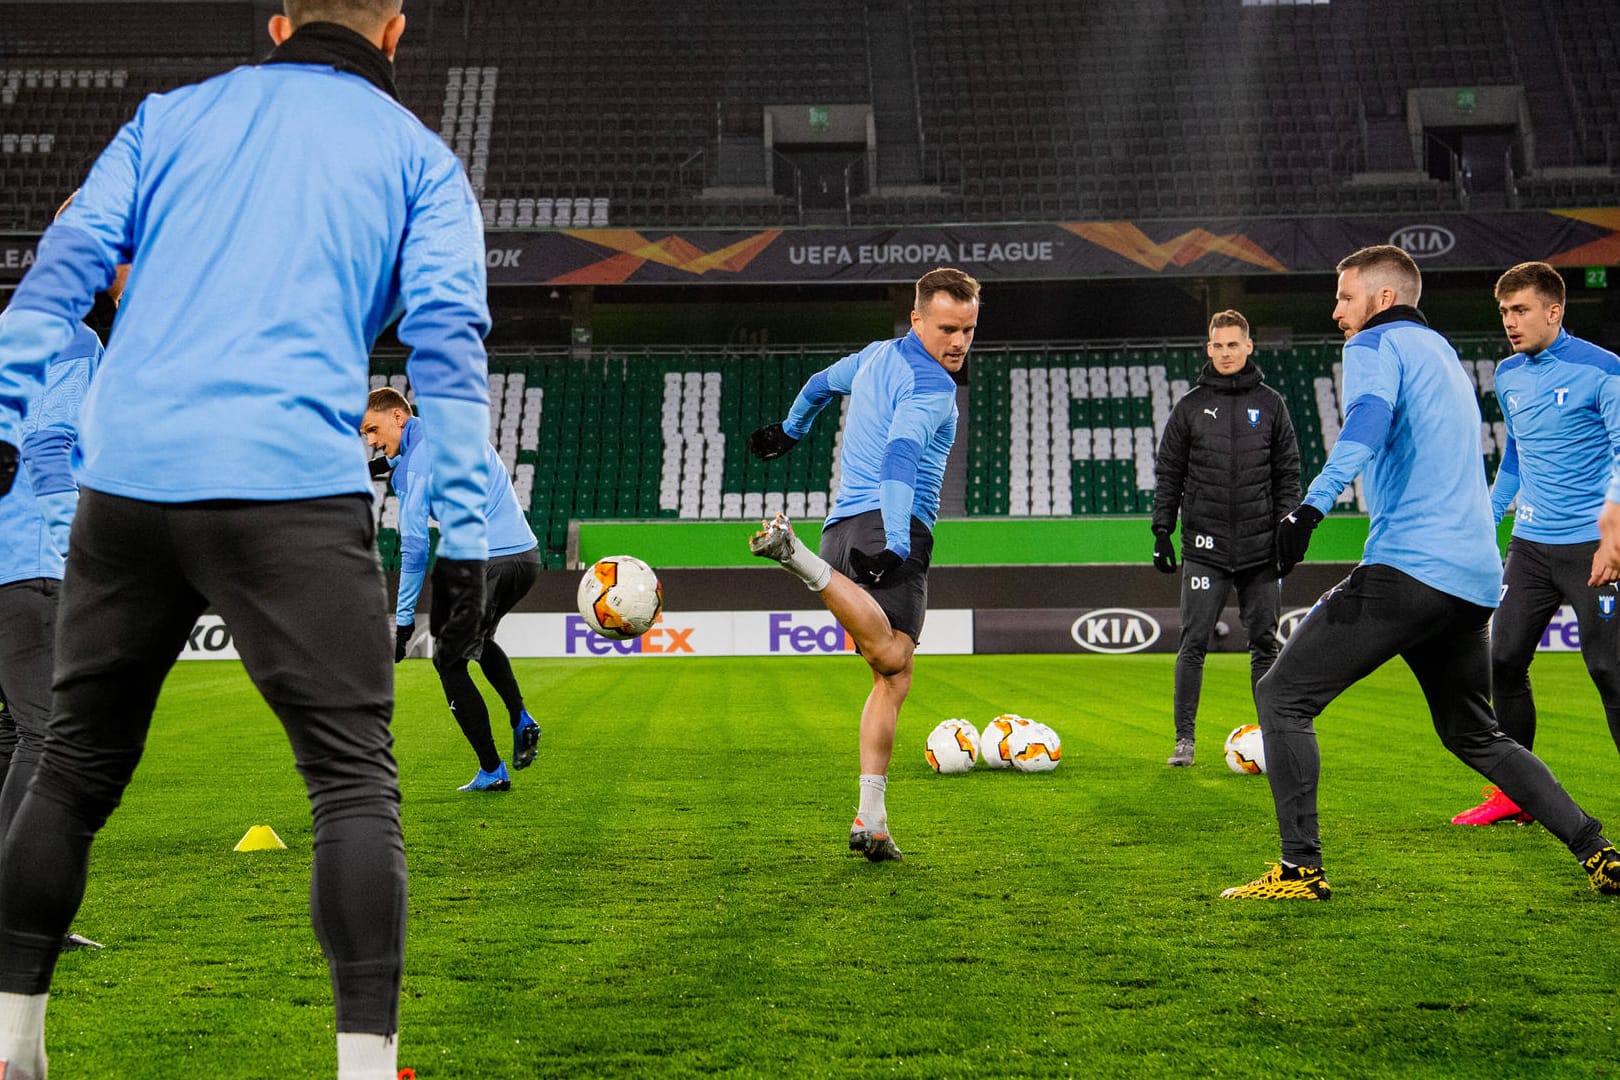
<point>1246,750</point>
<point>952,747</point>
<point>620,597</point>
<point>993,746</point>
<point>1034,747</point>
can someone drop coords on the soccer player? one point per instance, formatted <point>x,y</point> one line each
<point>277,217</point>
<point>1229,462</point>
<point>1560,400</point>
<point>1424,590</point>
<point>872,571</point>
<point>513,568</point>
<point>34,521</point>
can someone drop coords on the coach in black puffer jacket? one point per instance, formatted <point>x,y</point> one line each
<point>1229,464</point>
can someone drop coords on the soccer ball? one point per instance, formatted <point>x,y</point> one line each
<point>993,747</point>
<point>620,597</point>
<point>1245,750</point>
<point>1034,747</point>
<point>953,746</point>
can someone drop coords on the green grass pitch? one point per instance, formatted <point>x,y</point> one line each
<point>667,891</point>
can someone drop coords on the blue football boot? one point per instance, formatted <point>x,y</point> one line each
<point>525,737</point>
<point>489,781</point>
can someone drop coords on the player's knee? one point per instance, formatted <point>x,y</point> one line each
<point>1510,670</point>
<point>1605,672</point>
<point>893,660</point>
<point>1278,708</point>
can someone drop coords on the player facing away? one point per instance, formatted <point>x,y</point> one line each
<point>1560,399</point>
<point>1229,463</point>
<point>513,568</point>
<point>218,468</point>
<point>872,571</point>
<point>1425,587</point>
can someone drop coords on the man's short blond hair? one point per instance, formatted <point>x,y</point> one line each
<point>386,398</point>
<point>1387,266</point>
<point>1229,317</point>
<point>948,280</point>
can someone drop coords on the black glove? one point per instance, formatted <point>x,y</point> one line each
<point>402,640</point>
<point>874,571</point>
<point>8,467</point>
<point>379,468</point>
<point>1164,553</point>
<point>458,590</point>
<point>1294,536</point>
<point>770,442</point>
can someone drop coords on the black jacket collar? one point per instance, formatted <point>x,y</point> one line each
<point>338,47</point>
<point>1398,313</point>
<point>1244,378</point>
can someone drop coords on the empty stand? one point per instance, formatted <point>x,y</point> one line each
<point>586,116</point>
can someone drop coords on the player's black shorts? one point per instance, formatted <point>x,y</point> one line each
<point>507,579</point>
<point>904,593</point>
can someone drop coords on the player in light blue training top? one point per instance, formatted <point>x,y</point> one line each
<point>277,218</point>
<point>1425,587</point>
<point>35,517</point>
<point>1560,399</point>
<point>872,571</point>
<point>513,568</point>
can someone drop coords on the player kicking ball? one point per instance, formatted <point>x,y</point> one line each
<point>872,570</point>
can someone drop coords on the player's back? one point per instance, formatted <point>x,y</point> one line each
<point>1425,488</point>
<point>271,205</point>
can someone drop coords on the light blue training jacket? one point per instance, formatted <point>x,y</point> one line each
<point>277,217</point>
<point>1561,409</point>
<point>36,515</point>
<point>901,424</point>
<point>1411,431</point>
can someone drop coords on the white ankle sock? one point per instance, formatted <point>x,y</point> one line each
<point>809,567</point>
<point>873,814</point>
<point>22,1031</point>
<point>365,1056</point>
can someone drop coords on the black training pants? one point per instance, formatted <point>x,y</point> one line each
<point>1204,590</point>
<point>1538,580</point>
<point>1374,615</point>
<point>299,585</point>
<point>27,633</point>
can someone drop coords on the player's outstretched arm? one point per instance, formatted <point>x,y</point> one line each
<point>774,440</point>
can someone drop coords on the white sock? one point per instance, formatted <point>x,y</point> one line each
<point>810,568</point>
<point>365,1056</point>
<point>22,1031</point>
<point>872,812</point>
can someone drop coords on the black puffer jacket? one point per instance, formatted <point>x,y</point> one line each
<point>1229,462</point>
